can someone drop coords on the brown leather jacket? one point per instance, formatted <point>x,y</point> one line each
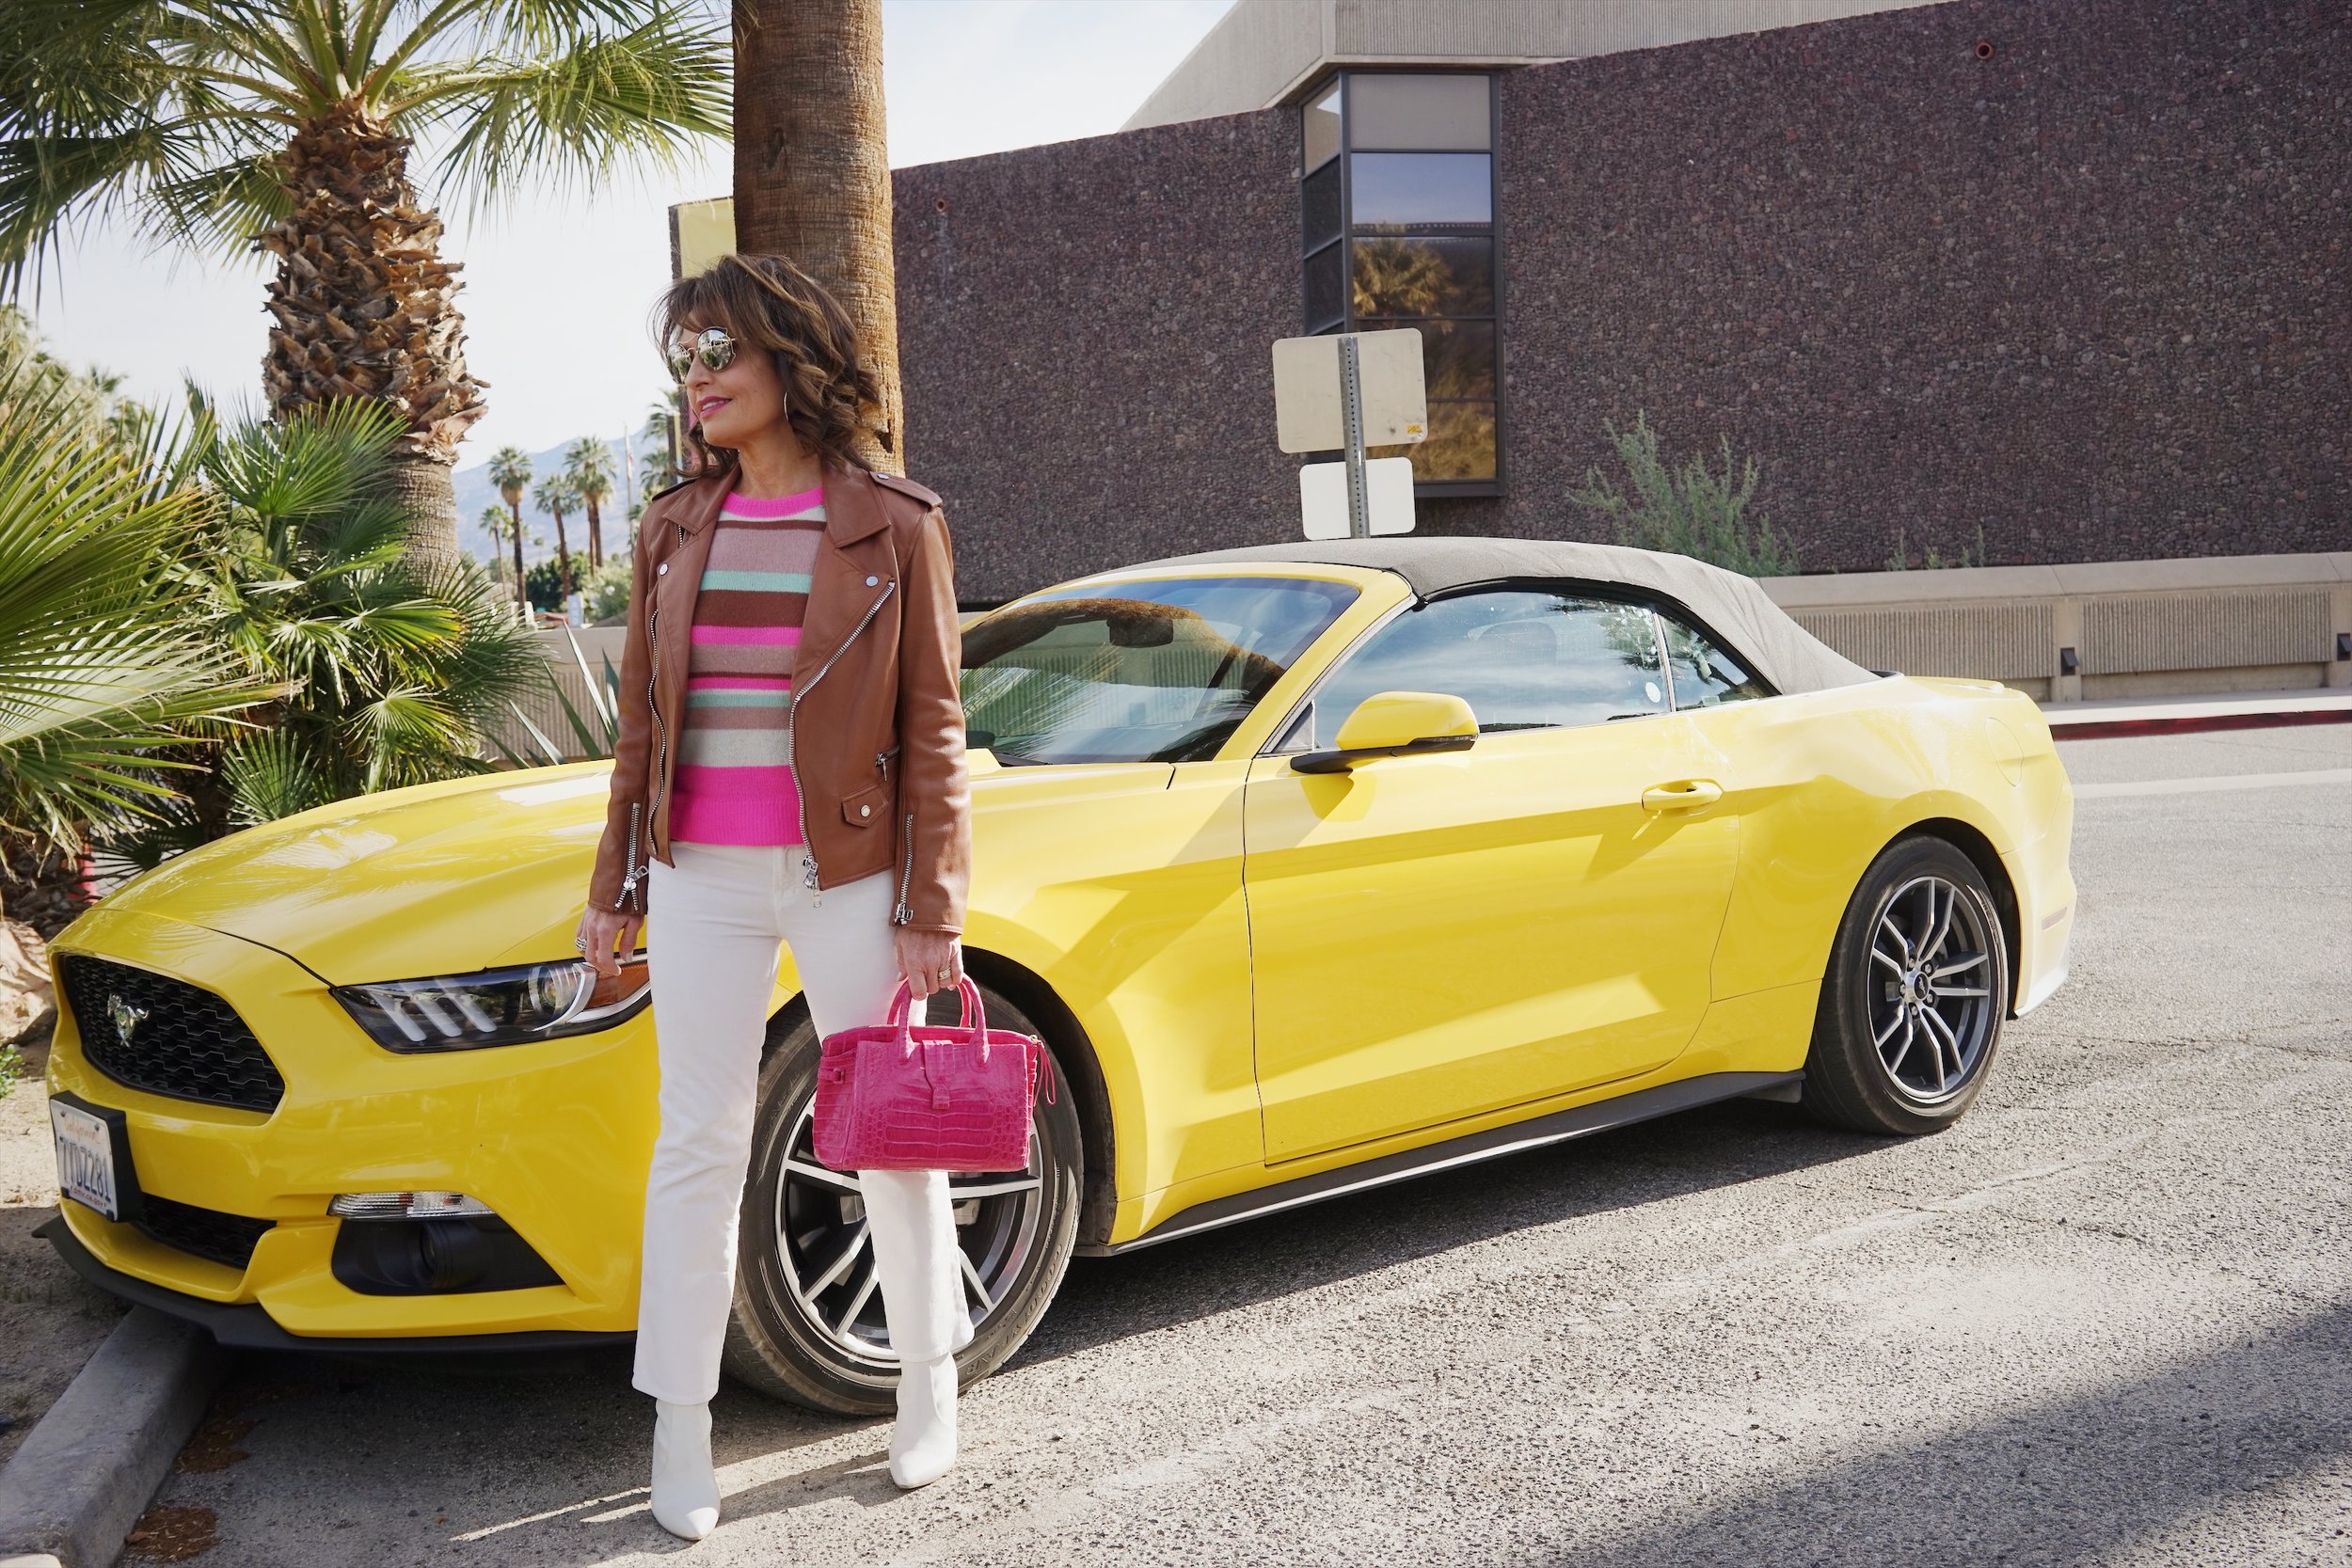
<point>876,721</point>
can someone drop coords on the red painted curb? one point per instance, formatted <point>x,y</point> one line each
<point>2100,729</point>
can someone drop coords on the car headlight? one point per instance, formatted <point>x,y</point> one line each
<point>497,1006</point>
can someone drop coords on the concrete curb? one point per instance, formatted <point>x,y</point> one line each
<point>2187,723</point>
<point>87,1472</point>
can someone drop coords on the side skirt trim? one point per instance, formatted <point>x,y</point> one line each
<point>1495,1142</point>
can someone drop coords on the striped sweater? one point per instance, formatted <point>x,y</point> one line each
<point>734,783</point>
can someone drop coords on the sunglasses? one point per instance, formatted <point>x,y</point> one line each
<point>712,346</point>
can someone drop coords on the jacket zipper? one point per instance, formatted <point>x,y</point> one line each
<point>628,883</point>
<point>906,874</point>
<point>792,752</point>
<point>662,731</point>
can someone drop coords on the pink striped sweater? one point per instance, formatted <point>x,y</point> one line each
<point>734,781</point>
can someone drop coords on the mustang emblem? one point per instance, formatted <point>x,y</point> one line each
<point>127,1016</point>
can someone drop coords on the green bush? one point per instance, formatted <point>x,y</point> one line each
<point>606,592</point>
<point>1691,509</point>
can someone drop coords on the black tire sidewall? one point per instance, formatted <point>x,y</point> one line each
<point>770,1345</point>
<point>1846,1085</point>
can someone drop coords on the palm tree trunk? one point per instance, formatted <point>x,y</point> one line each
<point>563,559</point>
<point>595,535</point>
<point>365,307</point>
<point>522,590</point>
<point>812,170</point>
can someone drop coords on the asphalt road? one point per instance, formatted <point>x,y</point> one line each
<point>2106,1320</point>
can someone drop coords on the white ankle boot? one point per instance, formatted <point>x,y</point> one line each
<point>685,1487</point>
<point>923,1444</point>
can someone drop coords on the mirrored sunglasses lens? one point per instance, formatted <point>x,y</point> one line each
<point>716,348</point>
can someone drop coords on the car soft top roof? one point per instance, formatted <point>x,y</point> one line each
<point>1734,607</point>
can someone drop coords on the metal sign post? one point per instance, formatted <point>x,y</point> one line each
<point>1352,422</point>
<point>1348,391</point>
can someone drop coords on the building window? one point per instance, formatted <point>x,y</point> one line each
<point>1397,228</point>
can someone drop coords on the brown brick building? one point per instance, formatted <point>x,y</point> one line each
<point>2072,276</point>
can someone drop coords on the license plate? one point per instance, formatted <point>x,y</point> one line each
<point>85,1159</point>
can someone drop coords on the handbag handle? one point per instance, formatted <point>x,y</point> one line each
<point>901,1014</point>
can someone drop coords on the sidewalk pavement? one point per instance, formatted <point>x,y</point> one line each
<point>2189,715</point>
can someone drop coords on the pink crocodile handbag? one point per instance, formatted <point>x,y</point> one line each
<point>893,1096</point>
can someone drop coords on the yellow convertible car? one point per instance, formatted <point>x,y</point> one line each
<point>1317,865</point>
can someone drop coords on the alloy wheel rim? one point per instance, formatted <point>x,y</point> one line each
<point>1930,995</point>
<point>826,1253</point>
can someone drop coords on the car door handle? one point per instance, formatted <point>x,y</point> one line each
<point>1689,795</point>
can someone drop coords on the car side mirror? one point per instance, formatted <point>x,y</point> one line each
<point>1395,724</point>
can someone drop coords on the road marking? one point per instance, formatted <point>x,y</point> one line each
<point>2197,786</point>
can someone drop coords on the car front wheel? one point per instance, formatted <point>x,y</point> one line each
<point>807,1324</point>
<point>1918,988</point>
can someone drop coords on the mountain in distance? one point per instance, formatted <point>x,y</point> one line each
<point>475,491</point>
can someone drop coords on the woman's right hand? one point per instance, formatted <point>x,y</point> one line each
<point>607,936</point>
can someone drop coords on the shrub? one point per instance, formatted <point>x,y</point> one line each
<point>1692,509</point>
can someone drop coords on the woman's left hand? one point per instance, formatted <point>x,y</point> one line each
<point>930,961</point>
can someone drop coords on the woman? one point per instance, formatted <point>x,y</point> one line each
<point>788,769</point>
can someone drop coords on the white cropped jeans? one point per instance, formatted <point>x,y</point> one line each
<point>718,916</point>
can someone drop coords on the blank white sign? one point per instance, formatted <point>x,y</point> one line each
<point>1387,495</point>
<point>1307,412</point>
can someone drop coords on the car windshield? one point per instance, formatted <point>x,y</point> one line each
<point>1138,672</point>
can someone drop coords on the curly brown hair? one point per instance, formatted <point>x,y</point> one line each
<point>831,398</point>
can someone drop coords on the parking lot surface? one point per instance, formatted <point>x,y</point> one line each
<point>2105,1319</point>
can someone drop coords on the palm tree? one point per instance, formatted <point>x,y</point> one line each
<point>286,125</point>
<point>554,494</point>
<point>510,470</point>
<point>101,662</point>
<point>388,668</point>
<point>657,441</point>
<point>812,172</point>
<point>494,523</point>
<point>588,466</point>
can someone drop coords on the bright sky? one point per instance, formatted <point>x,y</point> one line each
<point>556,290</point>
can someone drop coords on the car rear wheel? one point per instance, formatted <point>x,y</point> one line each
<point>807,1324</point>
<point>1918,988</point>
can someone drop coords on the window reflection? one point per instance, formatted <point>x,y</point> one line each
<point>1522,658</point>
<point>1415,246</point>
<point>1152,672</point>
<point>1406,192</point>
<point>1704,674</point>
<point>1320,130</point>
<point>1460,445</point>
<point>1424,277</point>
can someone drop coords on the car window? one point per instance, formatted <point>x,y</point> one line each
<point>1522,658</point>
<point>1140,671</point>
<point>1704,674</point>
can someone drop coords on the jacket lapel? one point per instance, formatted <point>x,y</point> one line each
<point>837,594</point>
<point>699,505</point>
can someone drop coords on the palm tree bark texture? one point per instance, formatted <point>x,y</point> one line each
<point>365,307</point>
<point>812,167</point>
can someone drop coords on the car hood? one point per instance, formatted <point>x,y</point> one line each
<point>406,884</point>
<point>365,889</point>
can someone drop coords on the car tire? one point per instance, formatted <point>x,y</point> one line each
<point>818,1345</point>
<point>1915,994</point>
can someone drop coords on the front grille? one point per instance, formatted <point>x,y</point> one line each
<point>206,1232</point>
<point>182,1040</point>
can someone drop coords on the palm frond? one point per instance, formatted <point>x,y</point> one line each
<point>312,465</point>
<point>270,775</point>
<point>641,97</point>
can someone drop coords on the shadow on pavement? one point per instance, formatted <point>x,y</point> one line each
<point>1106,1299</point>
<point>2066,1482</point>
